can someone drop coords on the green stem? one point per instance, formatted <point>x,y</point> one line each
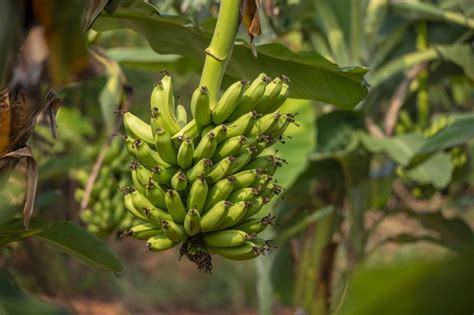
<point>219,51</point>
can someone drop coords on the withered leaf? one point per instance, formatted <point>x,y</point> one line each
<point>251,21</point>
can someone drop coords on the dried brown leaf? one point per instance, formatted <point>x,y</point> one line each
<point>251,20</point>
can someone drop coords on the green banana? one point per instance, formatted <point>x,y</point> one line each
<point>156,216</point>
<point>200,107</point>
<point>220,132</point>
<point>181,114</point>
<point>244,194</point>
<point>140,202</point>
<point>159,243</point>
<point>219,191</point>
<point>243,159</point>
<point>255,225</point>
<point>140,177</point>
<point>211,219</point>
<point>263,163</point>
<point>130,206</point>
<point>192,222</point>
<point>155,194</point>
<point>143,231</point>
<point>220,170</point>
<point>231,146</point>
<point>271,190</point>
<point>251,96</point>
<point>227,238</point>
<point>201,168</point>
<point>185,153</point>
<point>272,91</point>
<point>243,125</point>
<point>162,98</point>
<point>256,206</point>
<point>197,195</point>
<point>175,206</point>
<point>191,130</point>
<point>165,147</point>
<point>206,147</point>
<point>247,250</point>
<point>137,128</point>
<point>279,100</point>
<point>173,231</point>
<point>228,102</point>
<point>265,123</point>
<point>179,181</point>
<point>146,156</point>
<point>236,213</point>
<point>163,175</point>
<point>245,179</point>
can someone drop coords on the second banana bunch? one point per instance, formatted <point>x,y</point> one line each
<point>203,183</point>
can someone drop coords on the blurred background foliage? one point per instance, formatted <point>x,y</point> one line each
<point>378,213</point>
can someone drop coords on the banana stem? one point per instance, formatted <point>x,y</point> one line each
<point>219,51</point>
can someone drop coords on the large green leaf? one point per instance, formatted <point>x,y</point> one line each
<point>13,300</point>
<point>66,237</point>
<point>337,134</point>
<point>459,131</point>
<point>434,169</point>
<point>300,141</point>
<point>313,76</point>
<point>76,241</point>
<point>413,288</point>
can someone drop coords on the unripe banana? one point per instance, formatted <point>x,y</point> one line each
<point>175,206</point>
<point>282,125</point>
<point>211,219</point>
<point>263,163</point>
<point>191,130</point>
<point>243,159</point>
<point>272,91</point>
<point>181,114</point>
<point>200,107</point>
<point>163,99</point>
<point>206,147</point>
<point>243,125</point>
<point>157,121</point>
<point>279,100</point>
<point>130,145</point>
<point>235,214</point>
<point>137,128</point>
<point>197,195</point>
<point>179,181</point>
<point>200,169</point>
<point>146,156</point>
<point>165,147</point>
<point>219,191</point>
<point>131,208</point>
<point>192,222</point>
<point>247,250</point>
<point>185,153</point>
<point>156,216</point>
<point>140,176</point>
<point>144,231</point>
<point>155,194</point>
<point>163,175</point>
<point>173,231</point>
<point>251,96</point>
<point>231,146</point>
<point>265,124</point>
<point>271,190</point>
<point>140,202</point>
<point>228,102</point>
<point>244,194</point>
<point>255,225</point>
<point>159,243</point>
<point>227,238</point>
<point>220,132</point>
<point>220,170</point>
<point>245,179</point>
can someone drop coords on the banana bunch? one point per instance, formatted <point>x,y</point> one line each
<point>201,183</point>
<point>105,212</point>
